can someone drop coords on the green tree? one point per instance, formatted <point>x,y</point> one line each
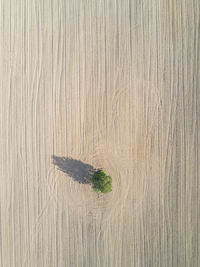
<point>101,182</point>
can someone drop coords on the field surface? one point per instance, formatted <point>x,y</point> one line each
<point>112,84</point>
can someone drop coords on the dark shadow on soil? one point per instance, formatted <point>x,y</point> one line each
<point>76,169</point>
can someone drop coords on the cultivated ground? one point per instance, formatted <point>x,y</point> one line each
<point>112,84</point>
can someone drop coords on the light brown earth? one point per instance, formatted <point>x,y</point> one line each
<point>114,84</point>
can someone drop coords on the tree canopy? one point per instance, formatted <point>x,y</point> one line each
<point>101,182</point>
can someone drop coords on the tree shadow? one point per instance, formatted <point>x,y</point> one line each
<point>76,169</point>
